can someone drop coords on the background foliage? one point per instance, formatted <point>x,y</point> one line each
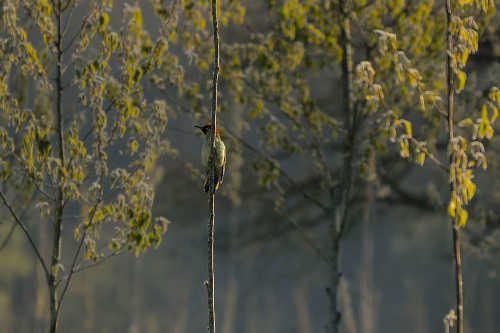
<point>130,66</point>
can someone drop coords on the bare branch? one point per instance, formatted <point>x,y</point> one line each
<point>26,232</point>
<point>85,23</point>
<point>211,276</point>
<point>75,256</point>
<point>9,235</point>
<point>14,225</point>
<point>404,196</point>
<point>309,241</point>
<point>98,262</point>
<point>429,154</point>
<point>282,172</point>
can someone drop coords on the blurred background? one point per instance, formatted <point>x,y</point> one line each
<point>271,265</point>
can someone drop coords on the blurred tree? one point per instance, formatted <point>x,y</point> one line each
<point>280,72</point>
<point>312,125</point>
<point>72,152</point>
<point>212,169</point>
<point>461,41</point>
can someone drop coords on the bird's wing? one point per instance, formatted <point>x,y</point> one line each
<point>223,169</point>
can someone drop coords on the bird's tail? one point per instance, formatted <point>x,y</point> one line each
<point>206,185</point>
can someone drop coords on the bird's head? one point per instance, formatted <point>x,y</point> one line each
<point>206,129</point>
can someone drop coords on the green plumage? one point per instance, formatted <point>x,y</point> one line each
<point>220,161</point>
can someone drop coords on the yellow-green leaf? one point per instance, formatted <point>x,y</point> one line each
<point>485,123</point>
<point>133,145</point>
<point>462,77</point>
<point>462,217</point>
<point>408,128</point>
<point>495,114</point>
<point>466,122</point>
<point>420,158</point>
<point>465,56</point>
<point>452,208</point>
<point>98,216</point>
<point>404,149</point>
<point>471,190</point>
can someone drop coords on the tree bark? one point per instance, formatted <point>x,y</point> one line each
<point>332,290</point>
<point>453,186</point>
<point>367,293</point>
<point>347,307</point>
<point>40,312</point>
<point>58,216</point>
<point>301,301</point>
<point>340,219</point>
<point>210,284</point>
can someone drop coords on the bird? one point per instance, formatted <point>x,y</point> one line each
<point>220,156</point>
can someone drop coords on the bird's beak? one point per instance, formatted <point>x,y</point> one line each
<point>199,127</point>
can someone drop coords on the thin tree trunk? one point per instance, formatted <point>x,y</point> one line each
<point>453,185</point>
<point>89,303</point>
<point>337,226</point>
<point>416,310</point>
<point>367,301</point>
<point>488,307</point>
<point>232,288</point>
<point>347,307</point>
<point>302,308</point>
<point>57,241</point>
<point>40,309</point>
<point>136,303</point>
<point>182,316</point>
<point>134,317</point>
<point>182,319</point>
<point>332,290</point>
<point>252,315</point>
<point>459,278</point>
<point>210,283</point>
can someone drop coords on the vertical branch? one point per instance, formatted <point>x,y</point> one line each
<point>59,86</point>
<point>337,226</point>
<point>450,78</point>
<point>368,308</point>
<point>57,241</point>
<point>459,278</point>
<point>350,117</point>
<point>347,61</point>
<point>210,283</point>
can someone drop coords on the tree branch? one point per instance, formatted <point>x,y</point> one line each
<point>430,155</point>
<point>309,241</point>
<point>14,225</point>
<point>282,172</point>
<point>98,262</point>
<point>406,196</point>
<point>59,209</point>
<point>9,235</point>
<point>75,256</point>
<point>210,284</point>
<point>450,76</point>
<point>26,232</point>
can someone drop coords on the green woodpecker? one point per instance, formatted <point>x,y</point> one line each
<point>220,156</point>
